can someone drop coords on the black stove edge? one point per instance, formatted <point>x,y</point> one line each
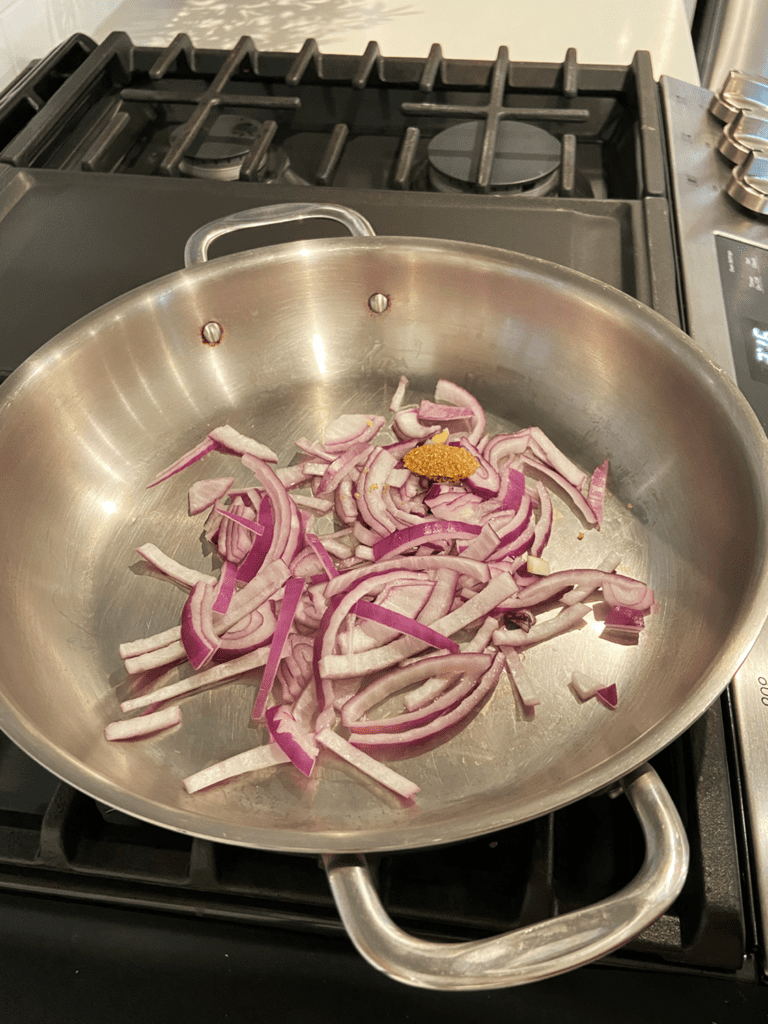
<point>91,963</point>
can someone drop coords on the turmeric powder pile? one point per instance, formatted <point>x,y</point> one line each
<point>441,462</point>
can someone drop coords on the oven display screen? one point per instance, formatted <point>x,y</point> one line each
<point>757,350</point>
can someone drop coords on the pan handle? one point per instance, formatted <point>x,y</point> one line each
<point>196,249</point>
<point>538,951</point>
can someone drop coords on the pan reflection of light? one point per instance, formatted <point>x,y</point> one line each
<point>318,347</point>
<point>109,507</point>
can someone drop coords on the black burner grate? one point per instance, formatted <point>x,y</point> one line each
<point>329,120</point>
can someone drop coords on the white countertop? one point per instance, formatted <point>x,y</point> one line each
<point>603,33</point>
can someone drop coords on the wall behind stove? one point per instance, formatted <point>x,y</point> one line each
<point>29,29</point>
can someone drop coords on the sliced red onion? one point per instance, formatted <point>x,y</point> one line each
<point>351,428</point>
<point>437,413</point>
<point>288,734</point>
<point>261,545</point>
<point>445,665</point>
<point>585,686</point>
<point>621,590</point>
<point>567,619</point>
<point>557,460</point>
<point>343,466</point>
<point>225,587</point>
<point>146,725</point>
<point>196,632</point>
<point>188,459</point>
<point>412,536</point>
<point>295,476</point>
<point>405,625</point>
<point>625,620</point>
<point>441,727</point>
<point>544,525</point>
<point>171,568</point>
<point>248,524</point>
<point>231,440</point>
<point>485,481</point>
<point>573,493</point>
<point>313,448</point>
<point>596,492</point>
<point>513,490</point>
<point>609,696</point>
<point>326,562</point>
<point>281,506</point>
<point>486,542</point>
<point>320,505</point>
<point>407,427</point>
<point>399,394</point>
<point>374,769</point>
<point>254,760</point>
<point>256,630</point>
<point>293,591</point>
<point>214,675</point>
<point>204,493</point>
<point>523,683</point>
<point>581,593</point>
<point>447,391</point>
<point>333,666</point>
<point>146,645</point>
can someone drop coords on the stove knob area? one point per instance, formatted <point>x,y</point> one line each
<point>749,183</point>
<point>746,134</point>
<point>740,92</point>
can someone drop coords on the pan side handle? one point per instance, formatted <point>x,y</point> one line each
<point>538,951</point>
<point>196,249</point>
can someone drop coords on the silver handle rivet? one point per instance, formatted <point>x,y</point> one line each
<point>378,303</point>
<point>212,333</point>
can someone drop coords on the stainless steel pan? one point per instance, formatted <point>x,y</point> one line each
<point>306,331</point>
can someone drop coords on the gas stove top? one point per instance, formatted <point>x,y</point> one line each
<point>110,157</point>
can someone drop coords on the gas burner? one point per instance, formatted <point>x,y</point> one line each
<point>219,153</point>
<point>526,159</point>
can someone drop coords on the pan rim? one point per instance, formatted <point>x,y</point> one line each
<point>721,388</point>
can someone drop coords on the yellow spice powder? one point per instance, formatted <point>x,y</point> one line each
<point>441,462</point>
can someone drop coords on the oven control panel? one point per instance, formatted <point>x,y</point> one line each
<point>744,280</point>
<point>723,247</point>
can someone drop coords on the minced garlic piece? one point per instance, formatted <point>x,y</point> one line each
<point>442,462</point>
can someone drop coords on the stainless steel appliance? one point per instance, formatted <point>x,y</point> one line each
<point>111,156</point>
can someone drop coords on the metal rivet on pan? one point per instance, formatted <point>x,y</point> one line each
<point>212,333</point>
<point>378,303</point>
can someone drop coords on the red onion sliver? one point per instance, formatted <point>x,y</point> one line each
<point>568,618</point>
<point>405,625</point>
<point>232,440</point>
<point>293,591</point>
<point>380,772</point>
<point>188,459</point>
<point>146,725</point>
<point>447,391</point>
<point>384,743</point>
<point>397,398</point>
<point>523,684</point>
<point>212,676</point>
<point>254,760</point>
<point>341,666</point>
<point>204,493</point>
<point>289,735</point>
<point>171,568</point>
<point>444,665</point>
<point>585,686</point>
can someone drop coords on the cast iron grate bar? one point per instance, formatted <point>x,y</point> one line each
<point>402,176</point>
<point>367,63</point>
<point>258,151</point>
<point>494,112</point>
<point>244,53</point>
<point>332,154</point>
<point>180,52</point>
<point>97,157</point>
<point>432,67</point>
<point>570,74</point>
<point>309,53</point>
<point>568,166</point>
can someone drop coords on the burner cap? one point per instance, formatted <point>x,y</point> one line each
<point>220,151</point>
<point>525,157</point>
